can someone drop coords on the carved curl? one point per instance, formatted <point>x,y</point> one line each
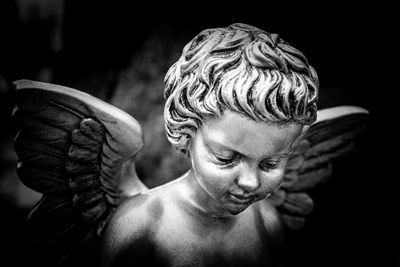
<point>240,68</point>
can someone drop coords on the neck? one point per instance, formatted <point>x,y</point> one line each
<point>199,201</point>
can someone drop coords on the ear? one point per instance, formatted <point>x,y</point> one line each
<point>305,129</point>
<point>301,135</point>
<point>187,152</point>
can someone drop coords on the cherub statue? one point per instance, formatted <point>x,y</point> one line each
<point>240,103</point>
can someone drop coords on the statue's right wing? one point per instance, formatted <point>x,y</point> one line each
<point>78,152</point>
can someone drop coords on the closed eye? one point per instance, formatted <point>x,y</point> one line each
<point>226,161</point>
<point>269,164</point>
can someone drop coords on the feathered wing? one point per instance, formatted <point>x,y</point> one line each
<point>78,151</point>
<point>330,137</point>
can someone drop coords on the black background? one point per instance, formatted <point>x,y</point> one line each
<point>353,223</point>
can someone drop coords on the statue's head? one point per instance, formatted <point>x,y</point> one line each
<point>242,69</point>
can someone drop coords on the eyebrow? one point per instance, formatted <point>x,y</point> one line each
<point>207,145</point>
<point>277,156</point>
<point>224,147</point>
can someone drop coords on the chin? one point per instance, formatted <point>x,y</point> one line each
<point>235,212</point>
<point>235,209</point>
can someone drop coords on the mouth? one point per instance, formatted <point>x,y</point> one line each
<point>242,199</point>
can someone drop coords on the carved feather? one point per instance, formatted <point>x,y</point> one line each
<point>71,148</point>
<point>330,137</point>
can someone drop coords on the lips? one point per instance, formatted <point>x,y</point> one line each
<point>242,199</point>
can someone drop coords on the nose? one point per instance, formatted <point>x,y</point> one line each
<point>249,179</point>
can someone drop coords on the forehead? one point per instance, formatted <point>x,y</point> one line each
<point>248,137</point>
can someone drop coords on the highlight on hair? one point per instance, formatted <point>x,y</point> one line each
<point>241,68</point>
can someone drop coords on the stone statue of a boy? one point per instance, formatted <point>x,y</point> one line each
<point>240,103</point>
<point>236,103</point>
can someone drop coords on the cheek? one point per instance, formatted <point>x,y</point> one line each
<point>272,180</point>
<point>210,176</point>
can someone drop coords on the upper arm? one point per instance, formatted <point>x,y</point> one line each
<point>274,227</point>
<point>271,219</point>
<point>126,239</point>
<point>272,223</point>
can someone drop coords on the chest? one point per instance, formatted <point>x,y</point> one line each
<point>182,242</point>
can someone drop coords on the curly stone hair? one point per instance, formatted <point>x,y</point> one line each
<point>243,69</point>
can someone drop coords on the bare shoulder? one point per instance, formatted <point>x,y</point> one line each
<point>138,209</point>
<point>129,231</point>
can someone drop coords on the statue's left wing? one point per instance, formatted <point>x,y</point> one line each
<point>330,137</point>
<point>78,151</point>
